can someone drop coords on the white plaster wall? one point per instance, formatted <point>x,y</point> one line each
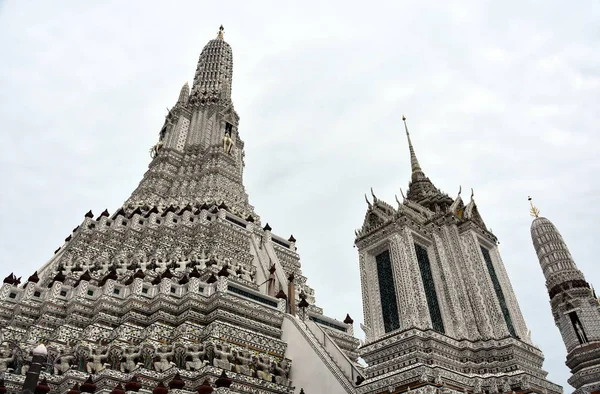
<point>334,351</point>
<point>308,370</point>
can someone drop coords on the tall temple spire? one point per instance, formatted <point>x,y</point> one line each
<point>575,309</point>
<point>556,260</point>
<point>199,148</point>
<point>189,253</point>
<point>417,173</point>
<point>214,70</point>
<point>421,189</point>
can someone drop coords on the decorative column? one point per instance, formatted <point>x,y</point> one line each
<point>349,324</point>
<point>303,304</point>
<point>292,294</point>
<point>38,360</point>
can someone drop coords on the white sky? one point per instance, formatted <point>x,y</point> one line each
<point>501,96</point>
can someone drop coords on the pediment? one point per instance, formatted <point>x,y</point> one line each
<point>472,213</point>
<point>374,218</point>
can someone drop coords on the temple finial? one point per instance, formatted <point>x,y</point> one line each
<point>220,33</point>
<point>414,163</point>
<point>533,211</point>
<point>374,196</point>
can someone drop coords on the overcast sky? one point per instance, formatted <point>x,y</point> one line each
<point>500,96</point>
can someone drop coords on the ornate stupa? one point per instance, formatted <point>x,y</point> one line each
<point>575,306</point>
<point>182,288</point>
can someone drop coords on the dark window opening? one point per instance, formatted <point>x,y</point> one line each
<point>498,290</point>
<point>13,295</point>
<point>90,293</point>
<point>578,328</point>
<point>37,294</point>
<point>252,296</point>
<point>387,292</point>
<point>429,286</point>
<point>145,290</point>
<point>173,290</point>
<point>63,293</point>
<point>116,291</point>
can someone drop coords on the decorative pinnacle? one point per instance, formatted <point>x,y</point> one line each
<point>534,211</point>
<point>414,163</point>
<point>220,34</point>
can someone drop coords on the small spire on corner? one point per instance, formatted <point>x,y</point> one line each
<point>220,34</point>
<point>533,211</point>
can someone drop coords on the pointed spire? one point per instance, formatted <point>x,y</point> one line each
<point>417,173</point>
<point>421,190</point>
<point>212,81</point>
<point>184,94</point>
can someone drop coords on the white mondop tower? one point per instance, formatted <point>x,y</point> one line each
<point>438,304</point>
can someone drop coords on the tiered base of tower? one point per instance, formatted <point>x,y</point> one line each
<point>424,360</point>
<point>158,292</point>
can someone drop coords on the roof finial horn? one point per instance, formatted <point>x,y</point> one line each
<point>220,33</point>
